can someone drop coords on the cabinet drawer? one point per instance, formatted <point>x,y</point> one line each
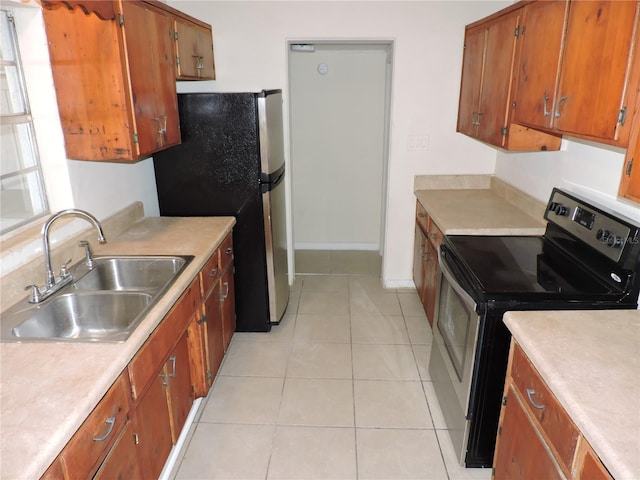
<point>94,438</point>
<point>434,233</point>
<point>542,404</point>
<point>226,252</point>
<point>210,272</point>
<point>422,217</point>
<point>149,360</point>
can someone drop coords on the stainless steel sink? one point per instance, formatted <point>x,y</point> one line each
<point>104,303</point>
<point>96,316</point>
<point>130,273</point>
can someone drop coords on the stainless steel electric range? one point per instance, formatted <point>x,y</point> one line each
<point>588,258</point>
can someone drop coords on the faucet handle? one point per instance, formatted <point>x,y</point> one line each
<point>35,296</point>
<point>88,252</point>
<point>64,272</point>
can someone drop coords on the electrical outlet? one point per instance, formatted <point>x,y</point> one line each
<point>417,143</point>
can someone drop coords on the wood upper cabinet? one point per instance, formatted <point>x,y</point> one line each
<point>485,106</point>
<point>576,64</point>
<point>114,65</point>
<point>150,57</point>
<point>194,51</point>
<point>630,181</point>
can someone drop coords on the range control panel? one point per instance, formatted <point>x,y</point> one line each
<point>609,234</point>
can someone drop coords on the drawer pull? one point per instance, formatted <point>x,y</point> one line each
<point>172,359</point>
<point>109,421</point>
<point>213,272</point>
<point>530,393</point>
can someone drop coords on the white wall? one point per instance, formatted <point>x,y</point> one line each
<point>250,44</point>
<point>337,156</point>
<point>582,167</point>
<point>101,188</point>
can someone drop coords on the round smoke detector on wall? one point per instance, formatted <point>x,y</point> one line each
<point>323,68</point>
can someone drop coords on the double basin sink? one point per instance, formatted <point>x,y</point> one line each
<point>104,303</point>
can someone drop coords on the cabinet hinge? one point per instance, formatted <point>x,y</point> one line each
<point>175,35</point>
<point>503,131</point>
<point>121,20</point>
<point>504,400</point>
<point>177,60</point>
<point>135,138</point>
<point>493,471</point>
<point>513,105</point>
<point>517,32</point>
<point>629,167</point>
<point>209,376</point>
<point>622,116</point>
<point>500,430</point>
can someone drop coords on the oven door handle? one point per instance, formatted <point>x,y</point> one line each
<point>446,272</point>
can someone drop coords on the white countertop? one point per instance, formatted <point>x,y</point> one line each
<point>47,390</point>
<point>591,362</point>
<point>477,212</point>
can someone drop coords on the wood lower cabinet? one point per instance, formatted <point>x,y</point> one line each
<point>425,262</point>
<point>180,393</point>
<point>122,462</point>
<point>152,429</point>
<point>536,437</point>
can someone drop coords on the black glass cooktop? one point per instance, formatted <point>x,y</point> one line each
<point>521,268</point>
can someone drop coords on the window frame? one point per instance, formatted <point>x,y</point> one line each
<point>23,118</point>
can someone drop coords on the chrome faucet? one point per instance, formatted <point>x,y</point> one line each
<point>53,284</point>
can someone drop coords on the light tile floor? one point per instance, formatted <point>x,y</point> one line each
<point>339,390</point>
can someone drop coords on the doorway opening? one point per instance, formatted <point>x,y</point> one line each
<point>339,100</point>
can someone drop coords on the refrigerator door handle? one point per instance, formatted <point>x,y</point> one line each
<point>269,181</point>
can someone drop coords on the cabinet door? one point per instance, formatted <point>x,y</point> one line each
<point>541,41</point>
<point>153,430</point>
<point>180,394</point>
<point>598,39</point>
<point>194,50</point>
<point>520,452</point>
<point>419,247</point>
<point>149,45</point>
<point>228,306</point>
<point>494,109</point>
<point>430,280</point>
<point>630,182</point>
<point>213,332</point>
<point>122,461</point>
<point>473,58</point>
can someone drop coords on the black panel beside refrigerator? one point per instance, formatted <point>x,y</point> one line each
<point>231,163</point>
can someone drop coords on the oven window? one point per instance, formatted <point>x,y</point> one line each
<point>454,324</point>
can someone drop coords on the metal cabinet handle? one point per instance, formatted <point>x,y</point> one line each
<point>110,422</point>
<point>172,359</point>
<point>223,296</point>
<point>558,105</point>
<point>229,251</point>
<point>474,119</point>
<point>545,99</point>
<point>530,393</point>
<point>162,124</point>
<point>213,272</point>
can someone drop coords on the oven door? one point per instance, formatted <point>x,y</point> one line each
<point>451,366</point>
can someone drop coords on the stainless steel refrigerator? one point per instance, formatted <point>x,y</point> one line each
<point>231,162</point>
